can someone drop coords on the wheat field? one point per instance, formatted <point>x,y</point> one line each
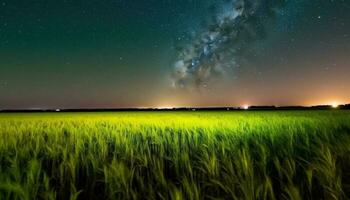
<point>175,155</point>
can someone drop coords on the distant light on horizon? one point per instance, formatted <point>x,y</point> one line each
<point>329,102</point>
<point>245,107</point>
<point>335,105</point>
<point>165,107</point>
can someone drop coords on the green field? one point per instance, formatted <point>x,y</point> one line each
<point>176,155</point>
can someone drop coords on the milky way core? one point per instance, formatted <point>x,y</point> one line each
<point>225,43</point>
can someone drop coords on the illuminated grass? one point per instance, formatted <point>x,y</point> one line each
<point>175,155</point>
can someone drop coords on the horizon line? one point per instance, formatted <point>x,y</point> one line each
<point>243,107</point>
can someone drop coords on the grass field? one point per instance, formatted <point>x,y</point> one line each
<point>176,155</point>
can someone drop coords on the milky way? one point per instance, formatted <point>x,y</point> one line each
<point>224,44</point>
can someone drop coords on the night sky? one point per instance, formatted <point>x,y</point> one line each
<point>165,53</point>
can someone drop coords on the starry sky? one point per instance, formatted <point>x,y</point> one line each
<point>167,53</point>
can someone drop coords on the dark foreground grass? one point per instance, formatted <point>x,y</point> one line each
<point>176,155</point>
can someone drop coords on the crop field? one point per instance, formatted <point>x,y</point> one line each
<point>175,155</point>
